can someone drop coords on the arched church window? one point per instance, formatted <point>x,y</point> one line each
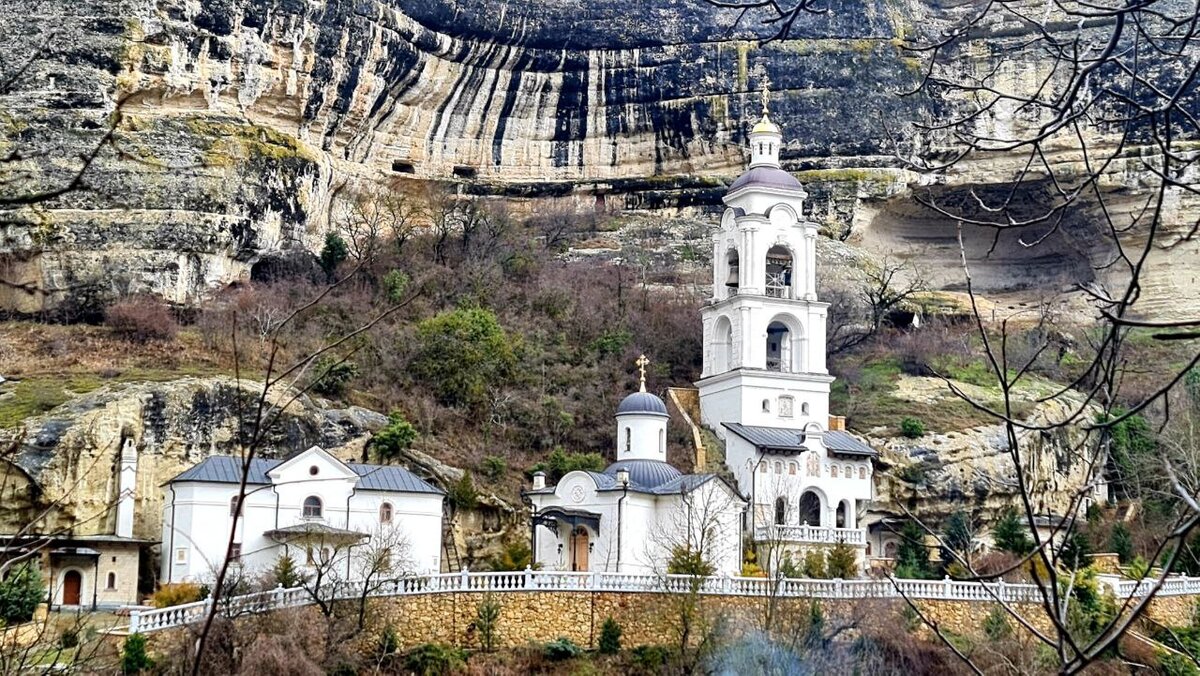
<point>780,511</point>
<point>233,505</point>
<point>385,513</point>
<point>810,509</point>
<point>778,467</point>
<point>312,507</point>
<point>766,405</point>
<point>662,442</point>
<point>804,408</point>
<point>833,471</point>
<point>779,272</point>
<point>762,468</point>
<point>862,472</point>
<point>841,515</point>
<point>628,439</point>
<point>733,270</point>
<point>791,468</point>
<point>779,340</point>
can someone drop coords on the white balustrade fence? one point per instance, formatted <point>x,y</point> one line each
<point>549,581</point>
<point>807,533</point>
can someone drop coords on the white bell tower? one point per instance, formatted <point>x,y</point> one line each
<point>764,330</point>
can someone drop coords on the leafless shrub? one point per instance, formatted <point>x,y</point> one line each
<point>141,319</point>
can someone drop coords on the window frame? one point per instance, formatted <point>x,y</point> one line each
<point>306,511</point>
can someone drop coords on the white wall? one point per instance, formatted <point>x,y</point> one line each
<point>647,437</point>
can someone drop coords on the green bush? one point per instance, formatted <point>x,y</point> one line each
<point>331,374</point>
<point>463,353</point>
<point>333,253</point>
<point>514,556</point>
<point>487,617</point>
<point>559,463</point>
<point>561,648</point>
<point>995,625</point>
<point>134,659</point>
<point>395,284</point>
<point>610,637</point>
<point>687,561</point>
<point>1171,664</point>
<point>462,493</point>
<point>177,594</point>
<point>434,659</point>
<point>912,428</point>
<point>650,658</point>
<point>1120,541</point>
<point>494,467</point>
<point>20,594</point>
<point>842,562</point>
<point>814,564</point>
<point>394,438</point>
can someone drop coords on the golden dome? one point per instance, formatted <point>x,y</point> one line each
<point>765,126</point>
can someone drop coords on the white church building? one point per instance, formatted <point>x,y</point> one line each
<point>634,515</point>
<point>765,388</point>
<point>312,506</point>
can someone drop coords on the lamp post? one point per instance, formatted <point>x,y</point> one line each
<point>623,479</point>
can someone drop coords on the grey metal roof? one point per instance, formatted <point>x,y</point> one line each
<point>783,440</point>
<point>766,177</point>
<point>225,469</point>
<point>684,483</point>
<point>770,438</point>
<point>846,443</point>
<point>642,403</point>
<point>643,474</point>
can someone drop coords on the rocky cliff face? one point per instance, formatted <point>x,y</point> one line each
<point>241,118</point>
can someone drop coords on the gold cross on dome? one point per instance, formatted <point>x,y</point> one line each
<point>641,364</point>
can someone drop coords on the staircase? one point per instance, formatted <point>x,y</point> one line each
<point>450,547</point>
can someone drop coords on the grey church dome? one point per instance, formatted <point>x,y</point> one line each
<point>642,403</point>
<point>645,473</point>
<point>766,177</point>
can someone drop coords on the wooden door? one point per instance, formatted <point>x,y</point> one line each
<point>579,560</point>
<point>72,588</point>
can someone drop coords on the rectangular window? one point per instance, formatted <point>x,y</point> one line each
<point>235,552</point>
<point>180,555</point>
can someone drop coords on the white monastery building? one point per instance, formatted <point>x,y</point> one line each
<point>765,388</point>
<point>312,506</point>
<point>631,517</point>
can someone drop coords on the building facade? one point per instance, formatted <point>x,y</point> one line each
<point>765,387</point>
<point>312,506</point>
<point>640,513</point>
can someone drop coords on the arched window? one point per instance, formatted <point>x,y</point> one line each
<point>862,472</point>
<point>841,517</point>
<point>779,272</point>
<point>628,439</point>
<point>662,442</point>
<point>762,468</point>
<point>233,506</point>
<point>810,509</point>
<point>385,513</point>
<point>791,468</point>
<point>780,511</point>
<point>110,582</point>
<point>312,507</point>
<point>722,346</point>
<point>766,405</point>
<point>833,471</point>
<point>778,467</point>
<point>733,271</point>
<point>804,408</point>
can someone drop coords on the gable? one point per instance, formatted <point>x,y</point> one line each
<point>315,463</point>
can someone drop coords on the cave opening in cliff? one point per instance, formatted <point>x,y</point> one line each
<point>461,171</point>
<point>402,167</point>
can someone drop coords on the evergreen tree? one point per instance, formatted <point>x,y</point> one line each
<point>610,637</point>
<point>333,253</point>
<point>286,573</point>
<point>912,556</point>
<point>841,562</point>
<point>395,438</point>
<point>20,594</point>
<point>1120,541</point>
<point>1076,550</point>
<point>1010,534</point>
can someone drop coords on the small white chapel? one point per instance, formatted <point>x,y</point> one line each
<point>631,517</point>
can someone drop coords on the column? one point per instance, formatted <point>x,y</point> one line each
<point>748,351</point>
<point>810,273</point>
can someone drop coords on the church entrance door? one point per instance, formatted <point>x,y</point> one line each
<point>72,588</point>
<point>579,549</point>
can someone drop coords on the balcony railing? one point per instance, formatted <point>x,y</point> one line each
<point>811,534</point>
